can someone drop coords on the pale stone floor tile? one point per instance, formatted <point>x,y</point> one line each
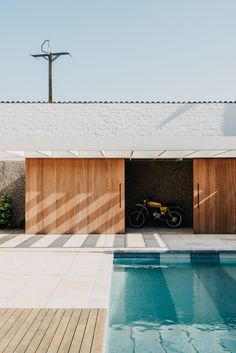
<point>226,236</point>
<point>73,286</point>
<point>91,241</point>
<point>167,231</point>
<point>223,247</point>
<point>188,231</point>
<point>222,242</point>
<point>15,241</point>
<point>2,235</point>
<point>45,241</point>
<point>172,238</point>
<point>179,247</point>
<point>4,302</point>
<point>80,278</point>
<point>97,303</point>
<point>29,302</point>
<point>189,237</point>
<point>160,240</point>
<point>106,241</point>
<point>9,285</point>
<point>38,286</point>
<point>135,240</point>
<point>76,240</point>
<point>201,247</point>
<point>176,244</point>
<point>62,302</point>
<point>101,241</point>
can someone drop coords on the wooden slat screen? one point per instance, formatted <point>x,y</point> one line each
<point>74,195</point>
<point>214,195</point>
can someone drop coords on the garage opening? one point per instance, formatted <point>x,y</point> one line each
<point>164,180</point>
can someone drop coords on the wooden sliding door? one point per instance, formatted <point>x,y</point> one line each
<point>214,195</point>
<point>75,195</point>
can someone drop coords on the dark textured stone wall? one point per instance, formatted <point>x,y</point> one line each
<point>12,181</point>
<point>165,180</point>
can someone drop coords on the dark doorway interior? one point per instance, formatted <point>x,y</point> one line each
<point>165,180</point>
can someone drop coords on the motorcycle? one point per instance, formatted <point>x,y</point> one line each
<point>171,214</point>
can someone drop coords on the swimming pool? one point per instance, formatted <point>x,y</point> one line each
<point>172,306</point>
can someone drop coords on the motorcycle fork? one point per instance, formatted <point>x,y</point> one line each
<point>169,213</point>
<point>141,210</point>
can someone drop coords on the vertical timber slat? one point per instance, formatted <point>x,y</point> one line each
<point>215,201</point>
<point>74,195</point>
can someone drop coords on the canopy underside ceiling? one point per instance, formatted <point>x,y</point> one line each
<point>161,147</point>
<point>151,154</point>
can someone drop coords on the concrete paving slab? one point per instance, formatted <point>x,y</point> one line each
<point>30,241</point>
<point>120,241</point>
<point>57,279</point>
<point>90,241</point>
<point>7,237</point>
<point>135,240</point>
<point>15,241</point>
<point>45,241</point>
<point>150,240</point>
<point>60,241</point>
<point>76,240</point>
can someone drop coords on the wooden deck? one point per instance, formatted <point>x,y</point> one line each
<point>52,330</point>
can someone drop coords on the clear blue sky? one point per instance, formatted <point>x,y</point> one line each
<point>122,49</point>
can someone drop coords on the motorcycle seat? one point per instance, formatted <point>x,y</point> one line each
<point>168,204</point>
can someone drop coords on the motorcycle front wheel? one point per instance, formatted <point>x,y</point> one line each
<point>174,219</point>
<point>137,219</point>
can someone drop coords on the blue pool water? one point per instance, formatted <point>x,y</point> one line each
<point>172,308</point>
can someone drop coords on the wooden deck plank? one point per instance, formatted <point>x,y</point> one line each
<point>8,313</point>
<point>2,311</point>
<point>98,339</point>
<point>89,332</point>
<point>32,347</point>
<point>79,332</point>
<point>14,329</point>
<point>44,344</point>
<point>21,332</point>
<point>8,324</point>
<point>56,341</point>
<point>70,331</point>
<point>52,330</point>
<point>31,332</point>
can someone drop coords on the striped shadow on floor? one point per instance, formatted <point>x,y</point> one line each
<point>90,241</point>
<point>120,241</point>
<point>32,240</point>
<point>60,241</point>
<point>150,240</point>
<point>7,237</point>
<point>52,330</point>
<point>113,241</point>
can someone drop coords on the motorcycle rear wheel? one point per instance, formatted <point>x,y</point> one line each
<point>175,220</point>
<point>137,219</point>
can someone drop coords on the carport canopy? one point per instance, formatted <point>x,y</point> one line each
<point>160,147</point>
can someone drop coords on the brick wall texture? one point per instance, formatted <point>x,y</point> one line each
<point>121,119</point>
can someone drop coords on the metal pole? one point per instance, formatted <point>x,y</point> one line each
<point>50,57</point>
<point>50,98</point>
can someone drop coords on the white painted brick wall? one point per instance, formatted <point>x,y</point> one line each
<point>203,119</point>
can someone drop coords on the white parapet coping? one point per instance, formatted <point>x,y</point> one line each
<point>118,130</point>
<point>108,143</point>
